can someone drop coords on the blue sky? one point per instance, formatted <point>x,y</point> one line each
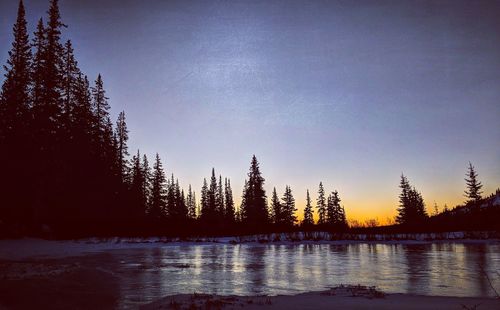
<point>351,93</point>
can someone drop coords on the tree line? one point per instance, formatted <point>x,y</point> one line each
<point>67,170</point>
<point>67,167</point>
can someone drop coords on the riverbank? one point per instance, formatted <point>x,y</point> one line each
<point>342,297</point>
<point>12,249</point>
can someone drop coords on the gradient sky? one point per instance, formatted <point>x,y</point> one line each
<point>351,93</point>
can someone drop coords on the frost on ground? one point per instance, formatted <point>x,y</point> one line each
<point>340,297</point>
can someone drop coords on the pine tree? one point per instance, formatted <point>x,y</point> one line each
<point>411,204</point>
<point>204,205</point>
<point>146,183</point>
<point>122,149</point>
<point>15,121</point>
<point>334,210</point>
<point>308,212</point>
<point>38,64</point>
<point>191,203</point>
<point>321,205</point>
<point>158,196</point>
<point>219,199</point>
<point>403,211</point>
<point>14,97</point>
<point>289,209</point>
<point>473,192</point>
<point>100,108</point>
<point>229,203</point>
<point>70,75</point>
<point>276,209</point>
<point>254,210</point>
<point>138,201</point>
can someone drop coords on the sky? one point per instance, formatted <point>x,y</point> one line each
<point>350,93</point>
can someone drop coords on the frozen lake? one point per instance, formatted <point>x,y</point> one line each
<point>146,272</point>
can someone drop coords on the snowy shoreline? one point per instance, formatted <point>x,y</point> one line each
<point>16,249</point>
<point>343,297</point>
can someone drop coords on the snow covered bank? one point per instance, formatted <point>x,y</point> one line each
<point>33,248</point>
<point>336,298</point>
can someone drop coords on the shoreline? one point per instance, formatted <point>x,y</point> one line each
<point>342,297</point>
<point>32,248</point>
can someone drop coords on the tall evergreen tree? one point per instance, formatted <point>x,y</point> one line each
<point>404,200</point>
<point>254,210</point>
<point>146,183</point>
<point>219,199</point>
<point>139,200</point>
<point>14,97</point>
<point>158,196</point>
<point>321,205</point>
<point>411,209</point>
<point>308,212</point>
<point>100,107</point>
<point>229,202</point>
<point>37,66</point>
<point>122,149</point>
<point>276,209</point>
<point>473,191</point>
<point>191,203</point>
<point>70,76</point>
<point>289,209</point>
<point>15,121</point>
<point>204,204</point>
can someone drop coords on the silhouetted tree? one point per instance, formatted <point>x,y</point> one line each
<point>308,212</point>
<point>334,210</point>
<point>411,204</point>
<point>204,204</point>
<point>15,121</point>
<point>254,210</point>
<point>276,212</point>
<point>289,209</point>
<point>137,186</point>
<point>229,203</point>
<point>157,199</point>
<point>219,200</point>
<point>321,205</point>
<point>122,148</point>
<point>191,203</point>
<point>473,191</point>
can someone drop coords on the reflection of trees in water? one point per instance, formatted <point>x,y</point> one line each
<point>417,268</point>
<point>478,266</point>
<point>255,267</point>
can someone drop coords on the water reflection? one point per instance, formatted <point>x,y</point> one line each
<point>429,269</point>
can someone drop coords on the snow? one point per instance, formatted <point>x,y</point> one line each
<point>29,247</point>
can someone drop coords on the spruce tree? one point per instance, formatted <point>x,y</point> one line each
<point>70,76</point>
<point>14,96</point>
<point>254,210</point>
<point>403,212</point>
<point>229,203</point>
<point>191,203</point>
<point>276,209</point>
<point>219,200</point>
<point>411,209</point>
<point>289,209</point>
<point>204,205</point>
<point>473,191</point>
<point>100,108</point>
<point>122,149</point>
<point>37,66</point>
<point>158,195</point>
<point>146,183</point>
<point>321,205</point>
<point>138,201</point>
<point>15,133</point>
<point>308,212</point>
